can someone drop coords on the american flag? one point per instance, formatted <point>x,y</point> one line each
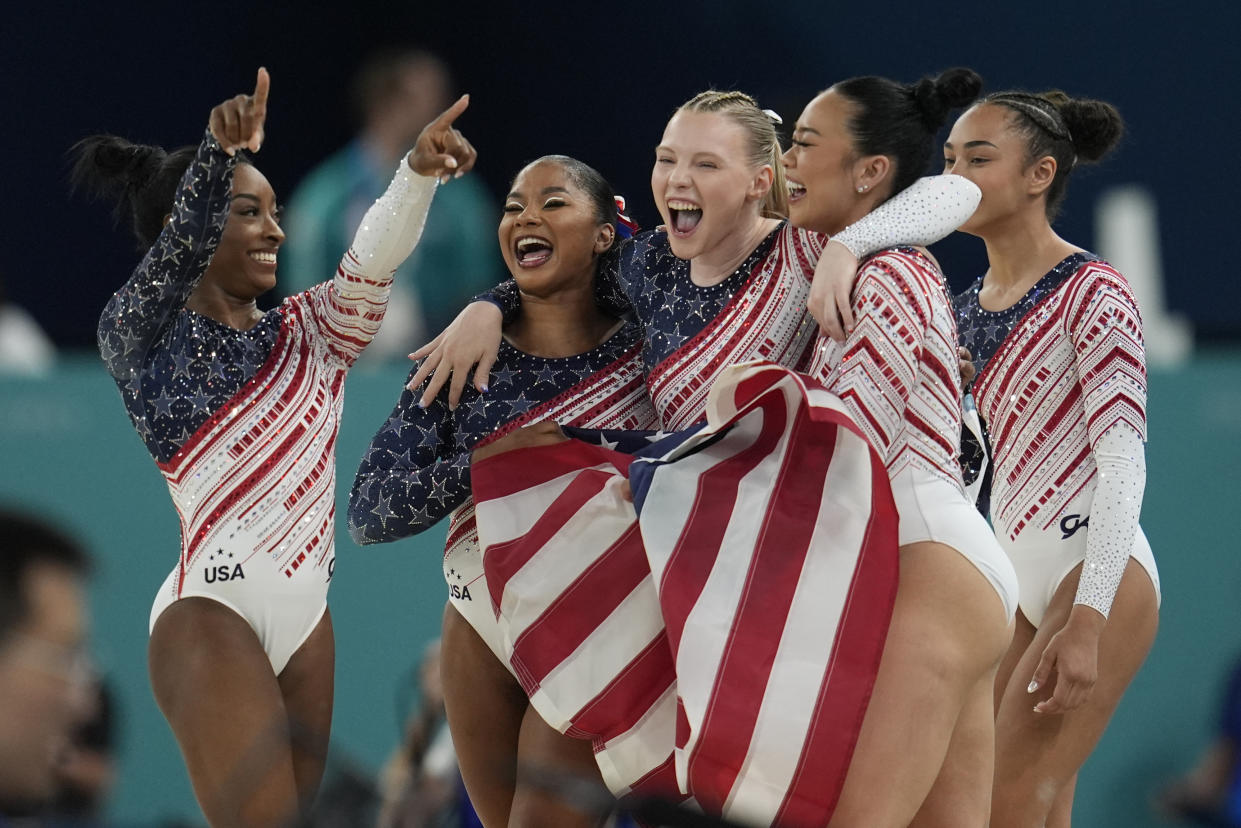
<point>720,633</point>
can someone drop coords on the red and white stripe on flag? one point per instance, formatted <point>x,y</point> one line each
<point>740,622</point>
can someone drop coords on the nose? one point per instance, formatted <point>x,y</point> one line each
<point>788,159</point>
<point>679,177</point>
<point>529,215</point>
<point>273,231</point>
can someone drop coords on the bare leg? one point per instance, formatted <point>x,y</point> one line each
<point>215,686</point>
<point>1038,755</point>
<point>544,749</point>
<point>485,706</point>
<point>1023,634</point>
<point>307,686</point>
<point>948,632</point>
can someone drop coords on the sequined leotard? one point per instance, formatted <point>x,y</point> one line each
<point>243,423</point>
<point>417,468</point>
<point>1061,387</point>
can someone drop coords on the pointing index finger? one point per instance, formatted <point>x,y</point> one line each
<point>262,83</point>
<point>453,112</point>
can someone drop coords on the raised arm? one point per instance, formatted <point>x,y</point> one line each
<point>925,212</point>
<point>349,309</point>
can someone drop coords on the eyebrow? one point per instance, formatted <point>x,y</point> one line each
<point>970,144</point>
<point>544,191</point>
<point>801,128</point>
<point>253,198</point>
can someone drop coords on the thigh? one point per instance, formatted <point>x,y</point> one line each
<point>306,683</point>
<point>215,685</point>
<point>1023,636</point>
<point>949,629</point>
<point>1038,755</point>
<point>485,706</point>
<point>961,795</point>
<point>558,782</point>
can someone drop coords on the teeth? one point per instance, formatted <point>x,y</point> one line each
<point>527,242</point>
<point>677,204</point>
<point>795,188</point>
<point>265,258</point>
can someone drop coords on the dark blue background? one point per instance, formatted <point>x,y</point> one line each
<point>598,83</point>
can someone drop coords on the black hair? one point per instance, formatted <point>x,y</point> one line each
<point>142,179</point>
<point>900,120</point>
<point>1068,129</point>
<point>26,542</point>
<point>591,182</point>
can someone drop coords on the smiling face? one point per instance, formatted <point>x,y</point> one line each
<point>244,264</point>
<point>820,166</point>
<point>703,181</point>
<point>984,148</point>
<point>550,235</point>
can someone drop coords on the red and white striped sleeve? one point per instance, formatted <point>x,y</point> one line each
<point>1105,327</point>
<point>878,368</point>
<point>349,309</point>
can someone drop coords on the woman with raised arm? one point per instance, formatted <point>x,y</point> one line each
<point>1056,336</point>
<point>927,738</point>
<point>240,410</point>
<point>562,359</point>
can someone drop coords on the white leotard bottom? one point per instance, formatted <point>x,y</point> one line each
<point>467,592</point>
<point>1044,558</point>
<point>932,509</point>
<point>282,611</point>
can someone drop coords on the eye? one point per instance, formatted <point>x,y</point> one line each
<point>512,207</point>
<point>663,159</point>
<point>554,202</point>
<point>975,162</point>
<point>948,162</point>
<point>710,165</point>
<point>798,143</point>
<point>249,210</point>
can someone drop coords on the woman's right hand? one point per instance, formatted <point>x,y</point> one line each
<point>831,291</point>
<point>238,122</point>
<point>472,339</point>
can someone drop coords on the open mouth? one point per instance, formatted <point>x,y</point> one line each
<point>264,257</point>
<point>532,251</point>
<point>797,190</point>
<point>685,216</point>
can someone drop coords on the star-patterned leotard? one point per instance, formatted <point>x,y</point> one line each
<point>243,423</point>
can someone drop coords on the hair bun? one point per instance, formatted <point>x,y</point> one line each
<point>1095,126</point>
<point>953,88</point>
<point>109,165</point>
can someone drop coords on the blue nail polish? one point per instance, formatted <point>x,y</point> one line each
<point>485,389</point>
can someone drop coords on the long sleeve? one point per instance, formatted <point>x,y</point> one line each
<point>878,366</point>
<point>415,471</point>
<point>1106,332</point>
<point>350,308</point>
<point>137,314</point>
<point>923,213</point>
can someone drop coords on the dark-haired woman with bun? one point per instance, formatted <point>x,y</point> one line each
<point>240,410</point>
<point>1056,336</point>
<point>924,754</point>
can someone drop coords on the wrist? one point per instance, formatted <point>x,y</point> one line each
<point>1086,619</point>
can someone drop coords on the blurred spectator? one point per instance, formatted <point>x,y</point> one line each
<point>44,670</point>
<point>421,785</point>
<point>398,93</point>
<point>1210,794</point>
<point>24,348</point>
<point>88,770</point>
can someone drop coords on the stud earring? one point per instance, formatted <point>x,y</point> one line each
<point>863,188</point>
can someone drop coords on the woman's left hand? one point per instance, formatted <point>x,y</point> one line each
<point>1073,654</point>
<point>831,291</point>
<point>441,150</point>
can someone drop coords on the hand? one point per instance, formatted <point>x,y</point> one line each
<point>441,150</point>
<point>472,339</point>
<point>1073,654</point>
<point>965,364</point>
<point>542,433</point>
<point>238,122</point>
<point>831,291</point>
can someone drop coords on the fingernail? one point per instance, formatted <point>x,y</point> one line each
<point>451,163</point>
<point>1033,686</point>
<point>458,173</point>
<point>421,404</point>
<point>484,389</point>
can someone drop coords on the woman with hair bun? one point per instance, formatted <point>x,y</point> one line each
<point>240,410</point>
<point>926,740</point>
<point>1056,337</point>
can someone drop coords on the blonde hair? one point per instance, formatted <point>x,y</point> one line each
<point>763,140</point>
